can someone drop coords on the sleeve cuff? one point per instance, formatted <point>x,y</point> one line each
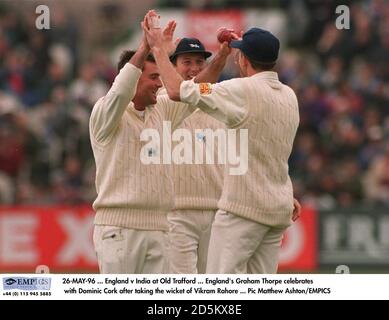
<point>189,92</point>
<point>128,76</point>
<point>129,65</point>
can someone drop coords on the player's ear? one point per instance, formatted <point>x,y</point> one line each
<point>245,61</point>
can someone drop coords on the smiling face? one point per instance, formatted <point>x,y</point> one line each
<point>148,85</point>
<point>189,65</point>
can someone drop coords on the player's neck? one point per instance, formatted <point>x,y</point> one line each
<point>139,108</point>
<point>251,71</point>
<point>138,105</point>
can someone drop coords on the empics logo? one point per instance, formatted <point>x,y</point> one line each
<point>24,283</point>
<point>10,281</point>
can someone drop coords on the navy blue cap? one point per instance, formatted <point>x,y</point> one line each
<point>258,44</point>
<point>190,45</point>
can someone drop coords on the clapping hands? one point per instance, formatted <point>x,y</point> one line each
<point>155,36</point>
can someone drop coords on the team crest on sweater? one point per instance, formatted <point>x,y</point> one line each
<point>205,88</point>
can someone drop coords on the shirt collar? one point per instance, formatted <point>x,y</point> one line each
<point>268,75</point>
<point>131,108</point>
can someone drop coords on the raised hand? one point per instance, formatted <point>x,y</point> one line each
<point>167,35</point>
<point>296,210</point>
<point>152,30</point>
<point>224,49</point>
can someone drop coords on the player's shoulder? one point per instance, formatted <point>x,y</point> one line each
<point>290,91</point>
<point>161,91</point>
<point>202,120</point>
<point>97,106</point>
<point>230,87</point>
<point>164,100</point>
<point>166,105</point>
<point>231,83</point>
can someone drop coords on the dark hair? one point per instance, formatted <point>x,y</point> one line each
<point>174,60</point>
<point>258,65</point>
<point>126,56</point>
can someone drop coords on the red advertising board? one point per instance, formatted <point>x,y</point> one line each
<point>58,237</point>
<point>61,238</point>
<point>204,24</point>
<point>299,247</point>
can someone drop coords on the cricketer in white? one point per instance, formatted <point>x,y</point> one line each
<point>256,208</point>
<point>133,199</point>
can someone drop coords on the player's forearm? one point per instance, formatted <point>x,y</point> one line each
<point>139,58</point>
<point>125,84</point>
<point>212,72</point>
<point>170,78</point>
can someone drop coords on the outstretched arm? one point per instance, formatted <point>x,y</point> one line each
<point>139,57</point>
<point>212,71</point>
<point>209,98</point>
<point>170,77</point>
<point>108,111</point>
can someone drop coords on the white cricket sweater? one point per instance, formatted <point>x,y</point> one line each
<point>268,109</point>
<point>199,186</point>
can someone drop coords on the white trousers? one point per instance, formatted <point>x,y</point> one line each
<point>122,250</point>
<point>189,233</point>
<point>239,245</point>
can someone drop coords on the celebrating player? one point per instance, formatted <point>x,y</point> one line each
<point>255,208</point>
<point>133,198</point>
<point>197,187</point>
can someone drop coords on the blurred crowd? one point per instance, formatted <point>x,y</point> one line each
<point>341,153</point>
<point>46,96</point>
